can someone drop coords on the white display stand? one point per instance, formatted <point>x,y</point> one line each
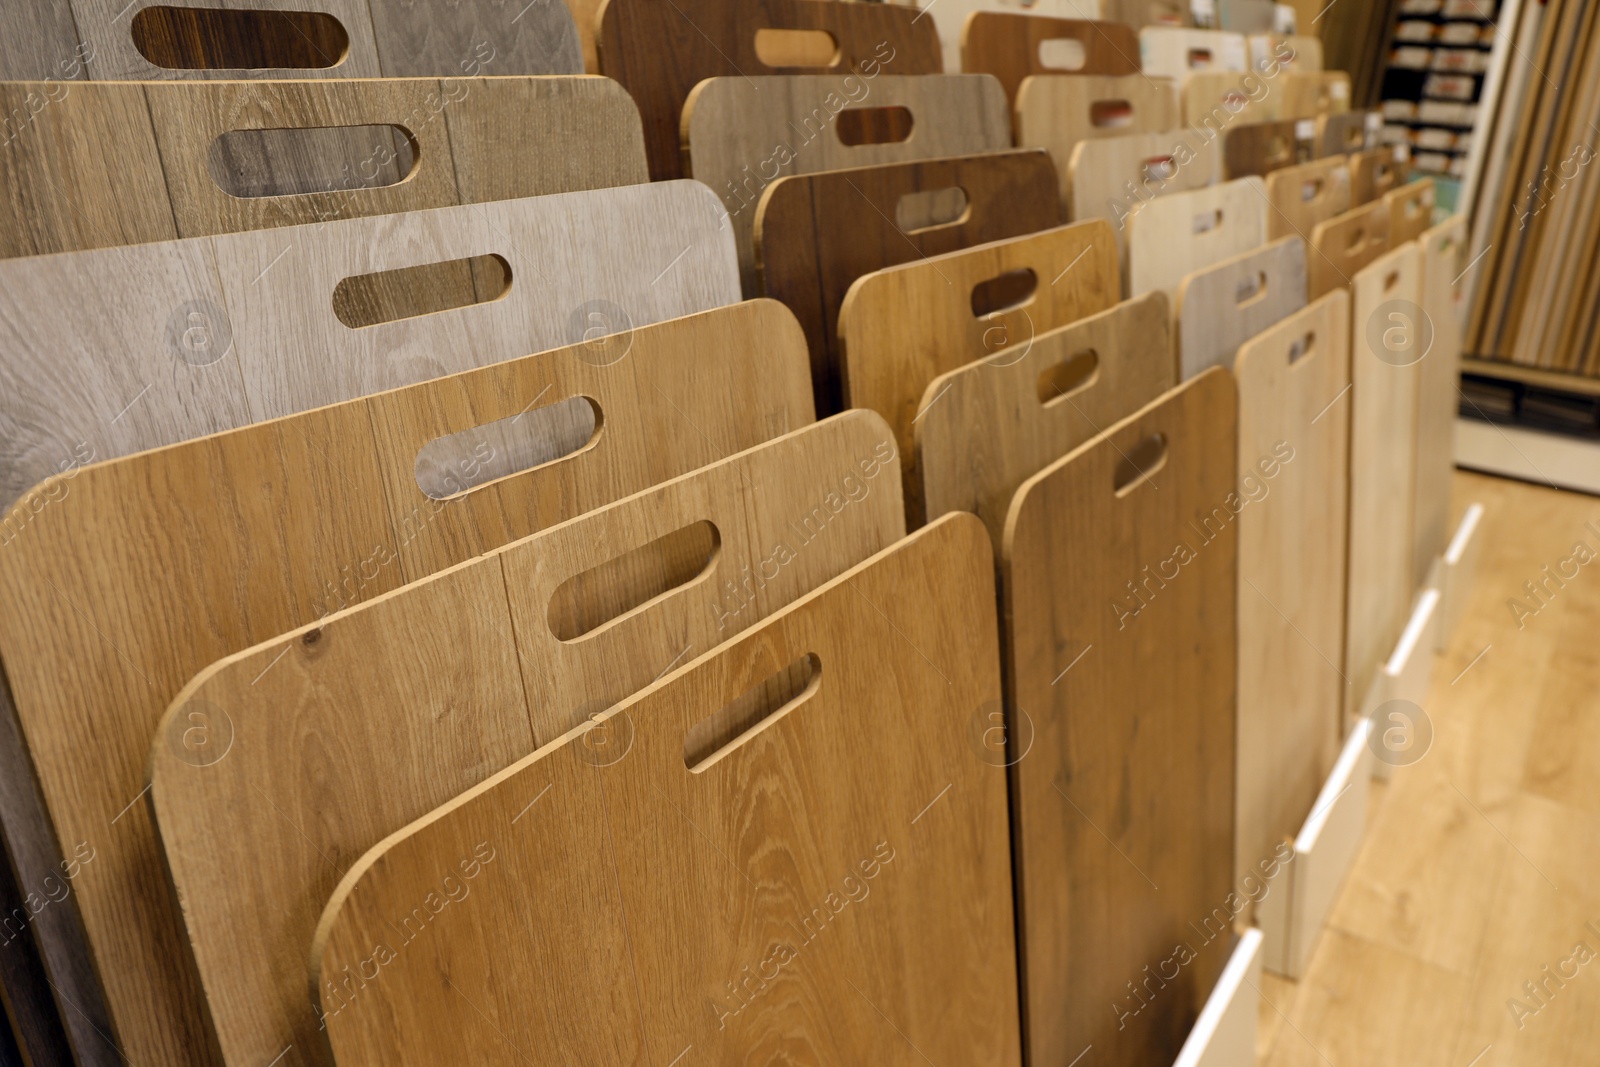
<point>1225,1033</point>
<point>1454,575</point>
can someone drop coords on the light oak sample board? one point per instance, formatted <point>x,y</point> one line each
<point>1294,468</point>
<point>299,517</point>
<point>1172,237</point>
<point>988,426</point>
<point>1111,177</point>
<point>1258,148</point>
<point>660,52</point>
<point>1013,46</point>
<point>1119,613</point>
<point>1375,172</point>
<point>148,40</point>
<point>1304,195</point>
<point>644,884</point>
<point>1385,348</point>
<point>956,19</point>
<point>741,135</point>
<point>1056,113</point>
<point>902,327</point>
<point>1344,133</point>
<point>1343,245</point>
<point>1174,52</point>
<point>1444,262</point>
<point>1226,97</point>
<point>395,681</point>
<point>1141,13</point>
<point>159,343</point>
<point>815,234</point>
<point>120,163</point>
<point>1222,307</point>
<point>1410,210</point>
<point>1304,52</point>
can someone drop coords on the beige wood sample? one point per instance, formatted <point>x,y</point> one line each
<point>793,838</point>
<point>1304,195</point>
<point>988,426</point>
<point>902,327</point>
<point>1222,307</point>
<point>1343,245</point>
<point>1304,50</point>
<point>1342,134</point>
<point>1373,173</point>
<point>395,678</point>
<point>125,163</point>
<point>170,341</point>
<point>740,136</point>
<point>1113,177</point>
<point>954,18</point>
<point>1176,52</point>
<point>116,607</point>
<point>1222,98</point>
<point>1385,343</point>
<point>1410,210</point>
<point>1294,425</point>
<point>1172,237</point>
<point>1259,148</point>
<point>1444,262</point>
<point>1014,46</point>
<point>1119,613</point>
<point>1056,113</point>
<point>1308,94</point>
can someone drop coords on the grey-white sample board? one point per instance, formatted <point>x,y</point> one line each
<point>1222,307</point>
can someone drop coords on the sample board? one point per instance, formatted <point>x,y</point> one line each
<point>1120,569</point>
<point>1174,52</point>
<point>990,425</point>
<point>448,707</point>
<point>1221,98</point>
<point>679,864</point>
<point>1113,177</point>
<point>1410,210</point>
<point>816,234</point>
<point>1344,133</point>
<point>1258,148</point>
<point>298,518</point>
<point>740,135</point>
<point>1375,172</point>
<point>1056,113</point>
<point>1294,448</point>
<point>119,163</point>
<point>1222,307</point>
<point>1343,245</point>
<point>1444,262</point>
<point>1304,51</point>
<point>660,52</point>
<point>953,20</point>
<point>1304,195</point>
<point>1174,236</point>
<point>1013,46</point>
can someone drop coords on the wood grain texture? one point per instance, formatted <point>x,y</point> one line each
<point>1007,45</point>
<point>902,327</point>
<point>1222,307</point>
<point>29,1024</point>
<point>499,37</point>
<point>833,811</point>
<point>160,343</point>
<point>661,52</point>
<point>1142,13</point>
<point>40,41</point>
<point>1129,781</point>
<point>453,708</point>
<point>1385,297</point>
<point>989,426</point>
<point>953,19</point>
<point>1306,194</point>
<point>1410,210</point>
<point>1174,236</point>
<point>740,136</point>
<point>1056,113</point>
<point>1114,177</point>
<point>1444,261</point>
<point>1306,49</point>
<point>816,234</point>
<point>1258,148</point>
<point>1373,173</point>
<point>299,517</point>
<point>1343,245</point>
<point>1341,134</point>
<point>1294,466</point>
<point>1176,52</point>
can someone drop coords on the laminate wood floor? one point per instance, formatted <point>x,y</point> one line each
<point>1480,871</point>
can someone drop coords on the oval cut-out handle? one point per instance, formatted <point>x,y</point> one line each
<point>633,582</point>
<point>1063,53</point>
<point>1358,237</point>
<point>1071,376</point>
<point>1139,463</point>
<point>858,126</point>
<point>1199,58</point>
<point>1391,282</point>
<point>1005,292</point>
<point>210,38</point>
<point>1311,189</point>
<point>1160,168</point>
<point>1111,114</point>
<point>247,164</point>
<point>1354,138</point>
<point>1207,221</point>
<point>931,209</point>
<point>460,462</point>
<point>713,738</point>
<point>363,300</point>
<point>797,48</point>
<point>1302,347</point>
<point>1251,289</point>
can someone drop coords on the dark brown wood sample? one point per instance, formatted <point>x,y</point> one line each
<point>1007,45</point>
<point>1258,148</point>
<point>660,51</point>
<point>818,233</point>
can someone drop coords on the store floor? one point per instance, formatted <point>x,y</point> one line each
<point>1481,868</point>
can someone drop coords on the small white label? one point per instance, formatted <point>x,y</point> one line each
<point>1305,129</point>
<point>1339,90</point>
<point>1204,10</point>
<point>1401,153</point>
<point>1283,19</point>
<point>1374,122</point>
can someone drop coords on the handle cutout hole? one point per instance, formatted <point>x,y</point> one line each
<point>632,581</point>
<point>1302,347</point>
<point>929,209</point>
<point>1139,463</point>
<point>203,38</point>
<point>797,48</point>
<point>1251,289</point>
<point>858,126</point>
<point>713,738</point>
<point>1413,207</point>
<point>1199,58</point>
<point>1354,138</point>
<point>408,292</point>
<point>1358,237</point>
<point>1278,148</point>
<point>1111,114</point>
<point>1390,282</point>
<point>1160,168</point>
<point>1312,188</point>
<point>1382,173</point>
<point>1069,377</point>
<point>1062,53</point>
<point>1207,221</point>
<point>1007,292</point>
<point>1235,100</point>
<point>457,463</point>
<point>249,163</point>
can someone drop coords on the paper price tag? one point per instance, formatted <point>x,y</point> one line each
<point>1305,129</point>
<point>1374,122</point>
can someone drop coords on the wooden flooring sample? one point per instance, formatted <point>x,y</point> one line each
<point>1141,13</point>
<point>740,136</point>
<point>299,517</point>
<point>660,52</point>
<point>1373,173</point>
<point>1013,46</point>
<point>1222,307</point>
<point>1258,148</point>
<point>954,18</point>
<point>902,327</point>
<point>1119,613</point>
<point>1111,178</point>
<point>987,427</point>
<point>1341,134</point>
<point>752,819</point>
<point>1444,261</point>
<point>1410,210</point>
<point>1341,246</point>
<point>1294,467</point>
<point>1304,51</point>
<point>673,550</point>
<point>1384,354</point>
<point>1175,52</point>
<point>815,234</point>
<point>1172,237</point>
<point>1304,195</point>
<point>1056,113</point>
